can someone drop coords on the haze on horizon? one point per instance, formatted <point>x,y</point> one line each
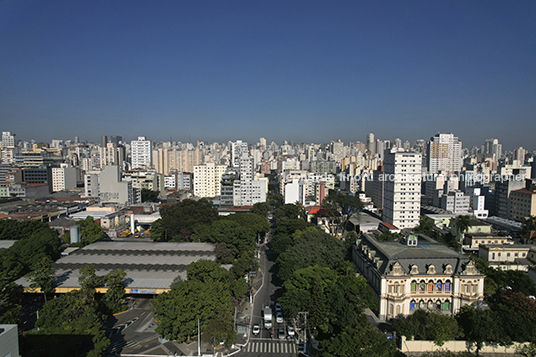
<point>311,71</point>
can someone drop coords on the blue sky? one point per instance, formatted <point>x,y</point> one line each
<point>302,70</point>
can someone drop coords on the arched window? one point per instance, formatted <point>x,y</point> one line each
<point>446,305</point>
<point>447,286</point>
<point>430,287</point>
<point>412,305</point>
<point>413,286</point>
<point>397,310</point>
<point>391,309</point>
<point>438,286</point>
<point>422,287</point>
<point>430,305</point>
<point>438,304</point>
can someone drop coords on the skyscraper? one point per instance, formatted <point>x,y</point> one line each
<point>444,153</point>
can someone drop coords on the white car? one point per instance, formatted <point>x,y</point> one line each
<point>256,329</point>
<point>290,331</point>
<point>279,317</point>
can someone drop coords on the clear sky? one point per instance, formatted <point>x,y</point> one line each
<point>302,70</point>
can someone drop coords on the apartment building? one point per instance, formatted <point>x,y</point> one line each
<point>402,188</point>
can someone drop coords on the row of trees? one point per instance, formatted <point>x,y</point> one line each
<point>210,292</point>
<point>512,318</point>
<point>319,277</point>
<point>209,295</point>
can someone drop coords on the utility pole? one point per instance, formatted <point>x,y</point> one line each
<point>304,313</point>
<point>198,339</point>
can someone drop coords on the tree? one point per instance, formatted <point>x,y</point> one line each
<point>359,341</point>
<point>236,237</point>
<point>88,281</point>
<point>72,314</point>
<point>260,208</point>
<point>257,225</point>
<point>462,223</point>
<point>337,204</point>
<point>282,236</point>
<point>90,231</point>
<point>11,229</point>
<point>478,326</point>
<point>424,325</point>
<point>180,220</point>
<point>178,310</point>
<point>10,307</point>
<point>114,297</point>
<point>149,195</point>
<point>43,277</point>
<point>289,210</point>
<point>311,247</point>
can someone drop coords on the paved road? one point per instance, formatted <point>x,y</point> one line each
<point>263,344</point>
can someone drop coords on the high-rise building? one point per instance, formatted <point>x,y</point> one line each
<point>246,190</point>
<point>238,149</point>
<point>207,179</point>
<point>63,178</point>
<point>444,153</point>
<point>371,144</point>
<point>519,155</point>
<point>141,153</point>
<point>402,190</point>
<point>103,141</point>
<point>8,140</point>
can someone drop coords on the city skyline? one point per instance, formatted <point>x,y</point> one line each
<point>283,70</point>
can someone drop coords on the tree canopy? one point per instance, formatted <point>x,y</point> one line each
<point>338,204</point>
<point>425,325</point>
<point>180,220</point>
<point>311,247</point>
<point>206,296</point>
<point>149,195</point>
<point>333,301</point>
<point>90,231</point>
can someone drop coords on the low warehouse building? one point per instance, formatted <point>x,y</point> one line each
<point>151,267</point>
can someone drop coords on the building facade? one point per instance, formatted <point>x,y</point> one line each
<point>444,154</point>
<point>141,153</point>
<point>402,190</point>
<point>418,273</point>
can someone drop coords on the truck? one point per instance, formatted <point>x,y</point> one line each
<point>267,317</point>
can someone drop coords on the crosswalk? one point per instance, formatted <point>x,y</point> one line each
<point>270,347</point>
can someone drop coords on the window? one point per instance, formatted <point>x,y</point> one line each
<point>438,286</point>
<point>413,287</point>
<point>447,287</point>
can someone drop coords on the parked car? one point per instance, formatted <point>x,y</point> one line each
<point>279,317</point>
<point>256,329</point>
<point>281,333</point>
<point>277,307</point>
<point>290,331</point>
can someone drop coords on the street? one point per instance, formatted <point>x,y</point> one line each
<point>263,344</point>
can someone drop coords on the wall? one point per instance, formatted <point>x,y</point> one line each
<point>415,348</point>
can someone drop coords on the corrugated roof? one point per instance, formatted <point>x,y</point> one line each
<point>149,265</point>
